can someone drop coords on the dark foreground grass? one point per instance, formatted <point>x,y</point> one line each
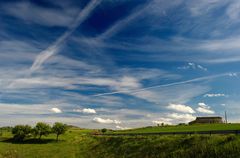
<point>169,146</point>
<point>80,144</point>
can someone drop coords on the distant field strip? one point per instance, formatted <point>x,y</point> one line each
<point>177,133</point>
<point>183,129</point>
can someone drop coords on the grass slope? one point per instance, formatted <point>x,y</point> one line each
<point>78,143</point>
<point>183,128</point>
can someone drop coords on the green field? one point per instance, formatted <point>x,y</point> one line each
<point>80,143</point>
<point>183,128</point>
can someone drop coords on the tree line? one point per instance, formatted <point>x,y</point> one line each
<point>20,132</point>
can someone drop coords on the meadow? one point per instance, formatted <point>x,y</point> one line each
<point>182,128</point>
<point>81,143</point>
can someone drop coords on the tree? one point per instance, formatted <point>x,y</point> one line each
<point>59,128</point>
<point>104,130</point>
<point>34,132</point>
<point>21,131</point>
<point>42,129</point>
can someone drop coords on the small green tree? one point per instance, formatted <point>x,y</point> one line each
<point>104,130</point>
<point>59,128</point>
<point>34,132</point>
<point>42,129</point>
<point>21,131</point>
<point>1,132</point>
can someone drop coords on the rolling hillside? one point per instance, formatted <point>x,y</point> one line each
<point>182,128</point>
<point>80,143</point>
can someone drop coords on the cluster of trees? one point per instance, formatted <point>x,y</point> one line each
<point>20,132</point>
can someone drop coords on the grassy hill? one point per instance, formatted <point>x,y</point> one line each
<point>79,143</point>
<point>182,128</point>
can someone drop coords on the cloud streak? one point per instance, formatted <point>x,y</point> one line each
<point>122,23</point>
<point>54,48</point>
<point>210,95</point>
<point>133,91</point>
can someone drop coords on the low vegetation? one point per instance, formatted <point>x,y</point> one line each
<point>81,143</point>
<point>182,128</point>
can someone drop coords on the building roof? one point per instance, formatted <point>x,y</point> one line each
<point>213,117</point>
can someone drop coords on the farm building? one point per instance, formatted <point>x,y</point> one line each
<point>207,120</point>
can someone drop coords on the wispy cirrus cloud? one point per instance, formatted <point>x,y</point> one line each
<point>109,67</point>
<point>167,85</point>
<point>32,13</point>
<point>206,48</point>
<point>53,49</point>
<point>119,25</point>
<point>215,95</point>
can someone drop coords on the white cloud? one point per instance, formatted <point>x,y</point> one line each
<point>105,121</point>
<point>202,104</point>
<point>180,108</point>
<point>163,120</point>
<point>86,111</point>
<point>215,95</point>
<point>201,68</point>
<point>56,110</point>
<point>89,111</point>
<point>203,108</point>
<point>174,118</point>
<point>181,117</point>
<point>193,66</point>
<point>233,74</point>
<point>122,128</point>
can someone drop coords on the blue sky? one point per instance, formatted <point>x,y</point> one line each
<point>118,63</point>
